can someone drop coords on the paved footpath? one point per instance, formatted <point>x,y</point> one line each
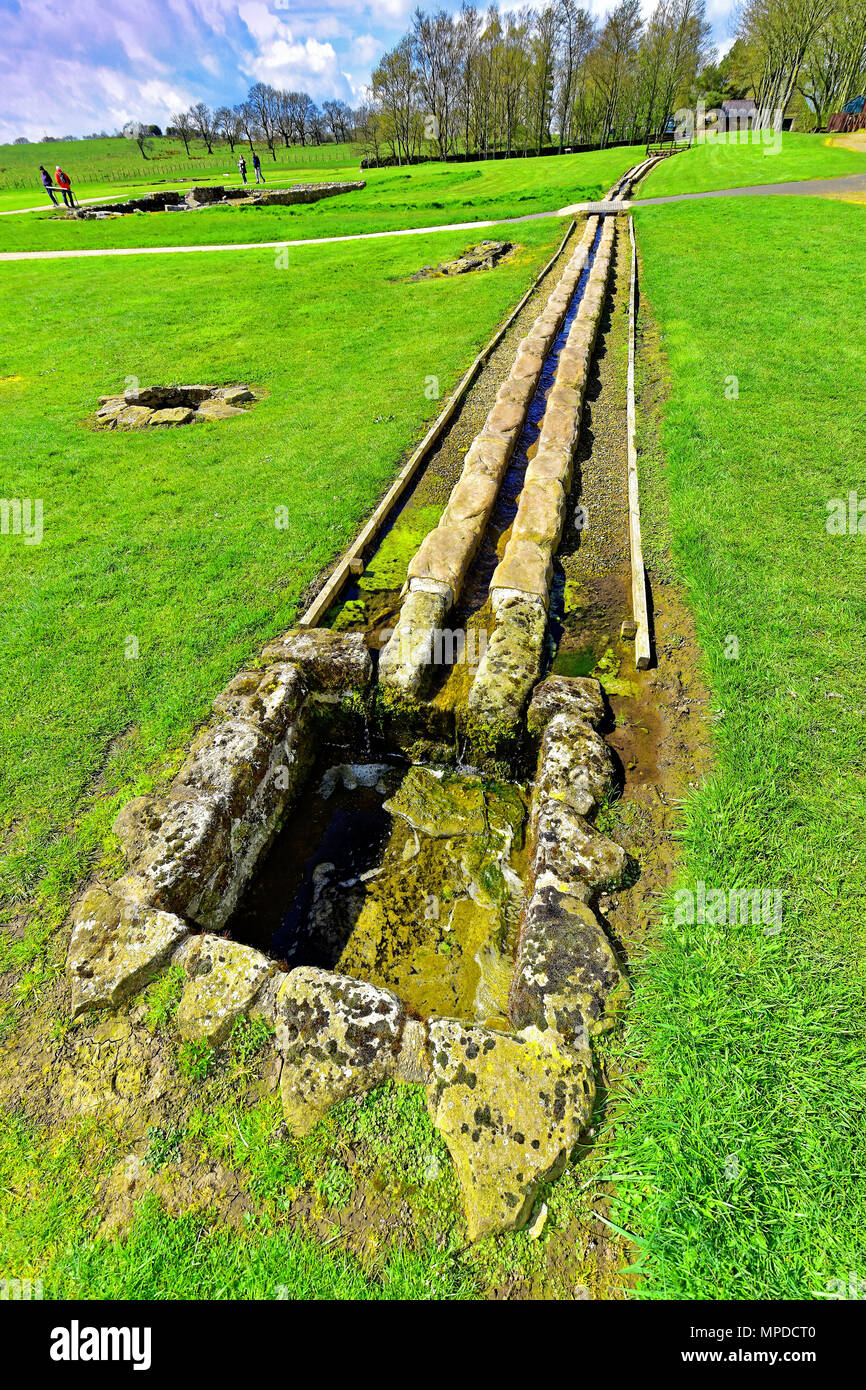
<point>821,188</point>
<point>853,183</point>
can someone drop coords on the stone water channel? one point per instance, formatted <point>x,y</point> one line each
<point>402,889</point>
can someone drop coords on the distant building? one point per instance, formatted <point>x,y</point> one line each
<point>738,114</point>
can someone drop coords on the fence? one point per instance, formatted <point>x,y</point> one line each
<point>157,168</point>
<point>843,123</point>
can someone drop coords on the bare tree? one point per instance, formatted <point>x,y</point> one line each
<point>227,124</point>
<point>183,125</point>
<point>203,124</point>
<point>576,37</point>
<point>139,133</point>
<point>248,122</point>
<point>778,34</point>
<point>435,51</point>
<point>301,105</point>
<point>834,65</point>
<point>394,86</point>
<point>338,117</point>
<point>616,52</point>
<point>264,102</point>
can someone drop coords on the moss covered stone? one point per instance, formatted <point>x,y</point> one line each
<point>510,1107</point>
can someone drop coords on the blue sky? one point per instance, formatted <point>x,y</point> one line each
<point>68,67</point>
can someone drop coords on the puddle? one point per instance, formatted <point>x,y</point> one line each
<point>408,877</point>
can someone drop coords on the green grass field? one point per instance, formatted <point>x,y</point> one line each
<point>736,1147</point>
<point>34,199</point>
<point>736,163</point>
<point>742,1145</point>
<point>425,195</point>
<point>171,536</point>
<point>117,160</point>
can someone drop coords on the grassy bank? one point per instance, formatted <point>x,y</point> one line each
<point>738,161</point>
<point>425,195</point>
<point>118,160</point>
<point>170,537</point>
<point>741,1146</point>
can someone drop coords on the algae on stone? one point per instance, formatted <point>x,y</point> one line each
<point>510,1107</point>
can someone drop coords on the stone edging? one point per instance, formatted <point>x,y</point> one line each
<point>520,587</point>
<point>191,850</point>
<point>438,569</point>
<point>566,975</point>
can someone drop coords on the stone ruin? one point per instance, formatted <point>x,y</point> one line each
<point>510,1100</point>
<point>484,256</point>
<point>155,406</point>
<point>169,200</point>
<point>510,1088</point>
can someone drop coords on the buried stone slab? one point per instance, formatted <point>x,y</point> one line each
<point>510,1107</point>
<point>223,980</point>
<point>338,1037</point>
<point>333,662</point>
<point>579,697</point>
<point>565,847</point>
<point>117,947</point>
<point>484,256</point>
<point>574,765</point>
<point>566,976</point>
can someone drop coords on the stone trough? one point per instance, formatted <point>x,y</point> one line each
<point>509,1077</point>
<point>464,953</point>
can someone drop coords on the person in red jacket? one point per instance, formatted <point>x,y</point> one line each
<point>63,183</point>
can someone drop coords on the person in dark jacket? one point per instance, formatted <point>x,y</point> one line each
<point>242,165</point>
<point>46,183</point>
<point>65,185</point>
<point>257,169</point>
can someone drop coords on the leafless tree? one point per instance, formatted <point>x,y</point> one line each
<point>203,123</point>
<point>264,103</point>
<point>182,123</point>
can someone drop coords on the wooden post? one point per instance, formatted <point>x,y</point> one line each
<point>638,579</point>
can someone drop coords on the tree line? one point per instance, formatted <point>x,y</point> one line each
<point>268,116</point>
<point>488,81</point>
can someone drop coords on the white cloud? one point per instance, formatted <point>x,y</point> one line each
<point>366,49</point>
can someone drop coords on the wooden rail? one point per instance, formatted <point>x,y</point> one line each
<point>638,578</point>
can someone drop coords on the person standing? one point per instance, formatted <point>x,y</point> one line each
<point>242,165</point>
<point>47,184</point>
<point>64,184</point>
<point>257,168</point>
